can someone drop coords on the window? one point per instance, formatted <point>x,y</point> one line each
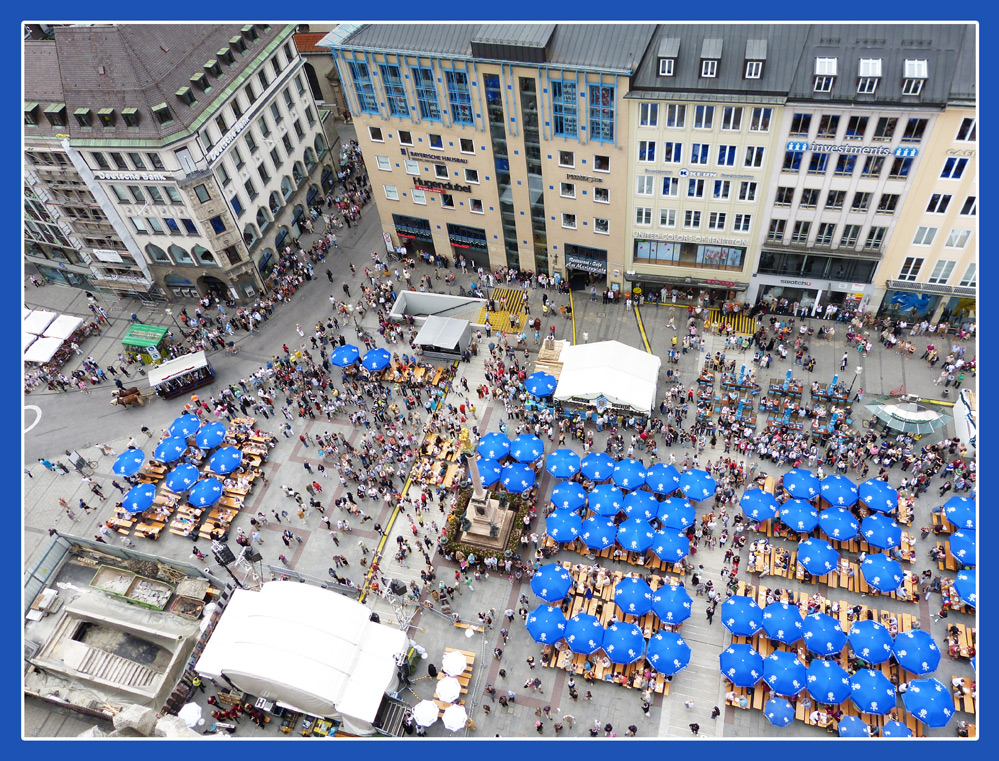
<point>189,226</point>
<point>276,113</point>
<point>391,192</point>
<point>568,221</point>
<point>237,207</point>
<point>288,102</point>
<point>699,153</point>
<point>867,85</point>
<point>250,93</point>
<point>119,160</point>
<point>602,113</point>
<point>800,232</point>
<point>251,143</point>
<point>264,175</point>
<point>754,156</point>
<point>647,150</point>
<point>875,237</point>
<point>120,194</point>
<point>362,85</point>
<point>691,219</point>
<point>648,115</point>
<point>31,115</point>
<point>475,205</point>
<point>163,114</point>
<point>447,201</point>
<point>137,161</point>
<point>741,223</point>
<point>938,203</point>
<point>721,190</point>
<point>754,69</point>
<point>792,161</point>
<point>565,119</point>
<point>873,166</point>
<point>154,225</point>
<point>800,124</point>
<point>405,137</point>
<point>436,142</point>
<point>968,131</point>
<point>566,190</point>
<point>970,279</point>
<point>217,224</point>
<point>672,153</point>
<point>887,203</point>
<point>440,171</point>
<point>716,220</point>
<point>310,117</point>
<point>601,226</point>
<point>102,162</point>
<point>775,233</point>
<point>412,167</point>
<point>953,168</point>
<point>704,117</point>
<point>941,271</point>
<point>970,208</point>
<point>784,196</point>
<point>910,268</point>
<point>761,120</point>
<point>695,188</point>
<point>566,158</point>
<point>675,116</point>
<point>667,217</point>
<point>223,175</point>
<point>818,163</point>
<point>824,234</point>
<point>173,194</point>
<point>137,194</point>
<point>856,126</point>
<point>666,66</point>
<point>958,238</point>
<point>459,97</point>
<point>643,184</point>
<point>221,124</point>
<point>732,118</point>
<point>861,202</point>
<point>465,145</point>
<point>914,130</point>
<point>375,133</point>
<point>845,165</point>
<point>138,224</point>
<point>130,116</point>
<point>851,233</point>
<point>914,74</point>
<point>900,169</point>
<point>419,197</point>
<point>601,163</point>
<point>601,195</point>
<point>809,198</point>
<point>84,118</point>
<point>472,176</point>
<point>825,74</point>
<point>201,191</point>
<point>265,129</point>
<point>171,224</point>
<point>885,128</point>
<point>709,68</point>
<point>286,142</point>
<point>726,155</point>
<point>912,86</point>
<point>383,163</point>
<point>828,124</point>
<point>824,84</point>
<point>671,186</point>
<point>276,158</point>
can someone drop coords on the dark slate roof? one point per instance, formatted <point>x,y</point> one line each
<point>431,39</point>
<point>614,47</point>
<point>528,35</point>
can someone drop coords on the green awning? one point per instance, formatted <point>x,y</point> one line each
<point>143,336</point>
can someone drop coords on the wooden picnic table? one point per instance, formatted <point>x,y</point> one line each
<point>149,529</point>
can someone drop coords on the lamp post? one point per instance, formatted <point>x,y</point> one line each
<point>858,371</point>
<point>169,311</point>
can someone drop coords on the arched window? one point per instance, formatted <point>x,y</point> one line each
<point>298,172</point>
<point>274,202</point>
<point>203,255</point>
<point>310,74</point>
<point>157,254</point>
<point>180,255</point>
<point>250,235</point>
<point>287,189</point>
<point>320,144</point>
<point>263,221</point>
<point>310,159</point>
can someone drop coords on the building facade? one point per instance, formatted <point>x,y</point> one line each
<point>320,71</point>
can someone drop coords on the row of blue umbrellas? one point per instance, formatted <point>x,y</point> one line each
<point>374,360</point>
<point>203,493</point>
<point>634,534</point>
<point>172,448</point>
<point>607,500</point>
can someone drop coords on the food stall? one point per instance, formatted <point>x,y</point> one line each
<point>145,342</point>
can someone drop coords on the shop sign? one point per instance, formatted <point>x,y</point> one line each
<point>107,255</point>
<point>726,283</point>
<point>696,173</point>
<point>583,178</point>
<point>586,264</point>
<point>802,283</point>
<point>228,138</point>
<point>680,238</point>
<point>388,242</point>
<point>960,152</point>
<point>141,176</point>
<point>440,187</point>
<point>432,157</point>
<point>903,152</point>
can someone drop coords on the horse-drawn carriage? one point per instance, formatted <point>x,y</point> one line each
<point>129,397</point>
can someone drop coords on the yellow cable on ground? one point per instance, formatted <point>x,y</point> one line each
<point>641,329</point>
<point>572,308</point>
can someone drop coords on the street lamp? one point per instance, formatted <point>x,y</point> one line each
<point>169,311</point>
<point>859,370</point>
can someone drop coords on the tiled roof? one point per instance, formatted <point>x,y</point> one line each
<point>306,43</point>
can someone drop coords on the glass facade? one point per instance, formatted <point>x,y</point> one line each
<point>497,133</point>
<point>535,182</point>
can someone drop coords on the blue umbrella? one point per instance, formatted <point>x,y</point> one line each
<point>828,682</point>
<point>584,634</point>
<point>635,535</point>
<point>663,479</point>
<point>606,500</point>
<point>527,448</point>
<point>564,526</point>
<point>823,634</point>
<point>597,466</point>
<point>184,426</point>
<point>966,586</point>
<point>546,624</point>
<point>853,726</point>
<point>697,485</point>
<point>170,449</point>
<point>817,556</point>
<point>670,545</point>
<point>672,604</point>
<point>783,622</point>
<point>759,505</point>
<point>624,643</point>
<point>139,498</point>
<point>960,511</point>
<point>916,651</point>
<point>802,484</point>
<point>839,491</point>
<point>675,512</point>
<point>882,572</point>
<point>343,356</point>
<point>517,478</point>
<point>741,665</point>
<point>785,674</point>
<point>641,504</point>
<point>568,495</point>
<point>551,582</point>
<point>881,531</point>
<point>562,463</point>
<point>878,495</point>
<point>489,471</point>
<point>210,435</point>
<point>129,462</point>
<point>206,492</point>
<point>628,473</point>
<point>225,460</point>
<point>182,478</point>
<point>598,533</point>
<point>929,701</point>
<point>872,692</point>
<point>493,446</point>
<point>633,596</point>
<point>870,641</point>
<point>376,360</point>
<point>895,728</point>
<point>799,516</point>
<point>540,384</point>
<point>839,523</point>
<point>667,652</point>
<point>779,712</point>
<point>742,616</point>
<point>964,547</point>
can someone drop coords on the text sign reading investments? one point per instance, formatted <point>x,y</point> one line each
<point>901,152</point>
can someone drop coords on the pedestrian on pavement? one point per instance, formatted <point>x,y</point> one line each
<point>710,612</point>
<point>715,712</point>
<point>85,507</point>
<point>695,728</point>
<point>632,731</point>
<point>689,704</point>
<point>48,465</point>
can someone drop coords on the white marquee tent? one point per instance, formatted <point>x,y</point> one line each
<point>42,350</point>
<point>63,326</point>
<point>624,376</point>
<point>37,320</point>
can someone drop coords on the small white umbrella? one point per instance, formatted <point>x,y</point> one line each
<point>190,713</point>
<point>425,713</point>
<point>455,718</point>
<point>454,663</point>
<point>448,689</point>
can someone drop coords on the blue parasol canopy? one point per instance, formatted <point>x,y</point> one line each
<point>606,500</point>
<point>546,624</point>
<point>783,622</point>
<point>344,356</point>
<point>779,712</point>
<point>839,490</point>
<point>562,463</point>
<point>670,545</point>
<point>966,586</point>
<point>635,535</point>
<point>540,384</point>
<point>817,556</point>
<point>376,360</point>
<point>872,692</point>
<point>181,478</point>
<point>667,652</point>
<point>139,498</point>
<point>527,448</point>
<point>225,460</point>
<point>206,492</point>
<point>633,596</point>
<point>878,495</point>
<point>597,466</point>
<point>210,435</point>
<point>882,572</point>
<point>742,616</point>
<point>628,473</point>
<point>641,504</point>
<point>853,726</point>
<point>598,533</point>
<point>823,634</point>
<point>517,478</point>
<point>916,651</point>
<point>839,523</point>
<point>929,701</point>
<point>584,634</point>
<point>624,643</point>
<point>741,665</point>
<point>568,495</point>
<point>799,516</point>
<point>870,641</point>
<point>170,449</point>
<point>662,478</point>
<point>802,484</point>
<point>881,531</point>
<point>564,526</point>
<point>184,426</point>
<point>551,582</point>
<point>672,604</point>
<point>676,512</point>
<point>697,484</point>
<point>493,446</point>
<point>785,674</point>
<point>961,511</point>
<point>489,471</point>
<point>964,547</point>
<point>758,505</point>
<point>129,462</point>
<point>895,729</point>
<point>828,682</point>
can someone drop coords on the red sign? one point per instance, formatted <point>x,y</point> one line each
<point>424,187</point>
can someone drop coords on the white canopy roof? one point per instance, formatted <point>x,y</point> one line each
<point>625,376</point>
<point>63,326</point>
<point>42,350</point>
<point>176,367</point>
<point>441,332</point>
<point>306,647</point>
<point>37,321</point>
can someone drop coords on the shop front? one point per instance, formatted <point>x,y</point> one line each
<point>814,280</point>
<point>585,266</point>
<point>414,233</point>
<point>470,241</point>
<point>925,301</point>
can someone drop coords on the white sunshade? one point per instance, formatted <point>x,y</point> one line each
<point>870,67</point>
<point>37,321</point>
<point>825,67</point>
<point>915,68</point>
<point>42,350</point>
<point>626,376</point>
<point>177,367</point>
<point>63,326</point>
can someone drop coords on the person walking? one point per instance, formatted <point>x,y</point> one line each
<point>715,712</point>
<point>710,612</point>
<point>695,728</point>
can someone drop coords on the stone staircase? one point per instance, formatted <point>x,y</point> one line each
<point>109,667</point>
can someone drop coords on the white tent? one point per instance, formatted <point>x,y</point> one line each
<point>308,648</point>
<point>63,326</point>
<point>37,321</point>
<point>42,350</point>
<point>624,376</point>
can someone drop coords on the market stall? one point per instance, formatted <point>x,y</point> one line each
<point>144,342</point>
<point>444,338</point>
<point>610,375</point>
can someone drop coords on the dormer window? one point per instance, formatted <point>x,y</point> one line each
<point>107,117</point>
<point>250,31</point>
<point>669,49</point>
<point>200,80</point>
<point>756,55</point>
<point>186,96</point>
<point>56,114</point>
<point>825,74</point>
<point>226,55</point>
<point>84,118</point>
<point>213,68</point>
<point>711,50</point>
<point>130,116</point>
<point>162,113</point>
<point>914,74</point>
<point>754,69</point>
<point>31,114</point>
<point>709,68</point>
<point>666,67</point>
<point>868,75</point>
<point>239,43</point>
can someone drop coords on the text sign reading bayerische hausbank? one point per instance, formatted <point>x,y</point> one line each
<point>902,152</point>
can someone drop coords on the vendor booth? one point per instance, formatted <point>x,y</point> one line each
<point>308,650</point>
<point>177,376</point>
<point>608,375</point>
<point>145,342</point>
<point>444,338</point>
